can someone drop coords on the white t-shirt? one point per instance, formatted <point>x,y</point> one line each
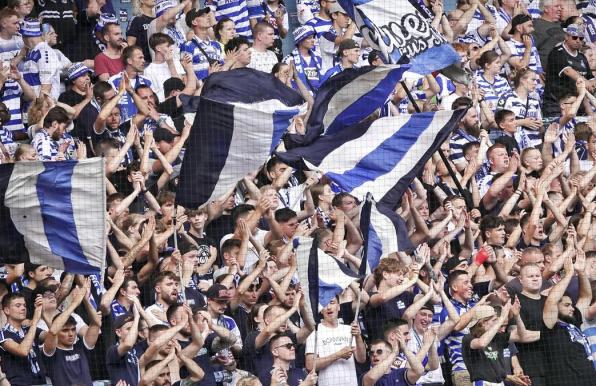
<point>262,61</point>
<point>331,340</point>
<point>158,74</point>
<point>434,376</point>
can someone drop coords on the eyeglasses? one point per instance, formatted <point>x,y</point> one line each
<point>289,346</point>
<point>378,351</point>
<point>577,38</point>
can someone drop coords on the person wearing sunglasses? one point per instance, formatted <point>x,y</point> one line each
<point>283,351</point>
<point>382,357</point>
<point>566,64</point>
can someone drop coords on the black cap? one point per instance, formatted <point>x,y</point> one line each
<point>194,13</point>
<point>517,20</point>
<point>219,292</point>
<point>346,44</point>
<point>121,320</point>
<point>161,134</point>
<point>171,85</point>
<point>452,263</point>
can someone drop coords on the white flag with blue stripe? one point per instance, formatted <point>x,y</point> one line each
<point>384,232</point>
<point>401,31</point>
<point>54,213</point>
<point>241,117</point>
<point>381,158</point>
<point>323,275</point>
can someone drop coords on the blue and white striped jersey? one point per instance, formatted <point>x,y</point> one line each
<point>11,97</point>
<point>456,144</point>
<point>7,140</point>
<point>517,51</point>
<point>492,91</point>
<point>321,26</point>
<point>199,62</point>
<point>42,66</point>
<point>127,106</point>
<point>236,10</point>
<point>454,340</point>
<point>523,109</point>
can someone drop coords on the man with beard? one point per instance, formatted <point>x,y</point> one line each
<point>166,293</point>
<point>65,356</point>
<point>467,131</point>
<point>46,141</point>
<point>134,65</point>
<point>109,62</point>
<point>567,349</point>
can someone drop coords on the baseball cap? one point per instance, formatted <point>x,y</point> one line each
<point>194,13</point>
<point>481,312</point>
<point>452,263</point>
<point>574,30</point>
<point>518,20</point>
<point>161,134</point>
<point>219,292</point>
<point>30,28</point>
<point>302,33</point>
<point>76,70</point>
<point>121,320</point>
<point>171,85</point>
<point>347,44</point>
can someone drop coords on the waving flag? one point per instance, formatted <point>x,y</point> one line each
<point>348,98</point>
<point>384,232</point>
<point>401,31</point>
<point>241,118</point>
<point>323,275</point>
<point>381,158</point>
<point>54,214</point>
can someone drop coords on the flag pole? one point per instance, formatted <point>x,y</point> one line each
<point>357,313</point>
<point>316,354</point>
<point>439,150</point>
<point>181,284</point>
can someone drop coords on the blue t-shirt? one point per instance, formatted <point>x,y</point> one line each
<point>124,367</point>
<point>69,367</point>
<point>295,376</point>
<point>396,377</point>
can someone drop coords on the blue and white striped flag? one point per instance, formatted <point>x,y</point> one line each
<point>384,232</point>
<point>54,213</point>
<point>348,98</point>
<point>381,158</point>
<point>323,275</point>
<point>401,31</point>
<point>241,118</point>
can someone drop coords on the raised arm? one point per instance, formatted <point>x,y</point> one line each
<point>550,312</point>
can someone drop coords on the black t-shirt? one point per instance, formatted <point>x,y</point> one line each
<point>68,367</point>
<point>257,359</point>
<point>124,367</point>
<point>84,123</point>
<point>203,359</point>
<point>567,355</point>
<point>21,371</point>
<point>138,28</point>
<point>71,97</point>
<point>486,364</point>
<point>532,356</point>
<point>295,376</point>
<point>241,317</point>
<point>557,84</point>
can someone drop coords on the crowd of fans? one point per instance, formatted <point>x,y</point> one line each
<point>498,291</point>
